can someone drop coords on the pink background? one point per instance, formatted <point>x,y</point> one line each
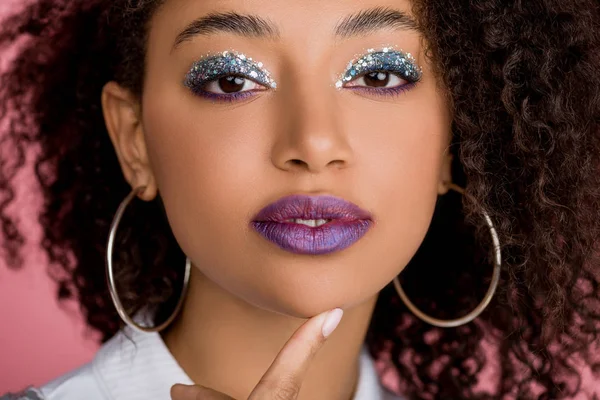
<point>40,339</point>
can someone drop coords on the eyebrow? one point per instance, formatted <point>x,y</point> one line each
<point>239,24</point>
<point>361,23</point>
<point>374,19</point>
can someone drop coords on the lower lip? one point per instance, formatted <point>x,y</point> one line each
<point>302,239</point>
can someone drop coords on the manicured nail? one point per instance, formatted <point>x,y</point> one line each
<point>184,392</point>
<point>332,321</point>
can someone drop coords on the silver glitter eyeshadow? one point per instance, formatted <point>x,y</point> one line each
<point>226,64</point>
<point>387,60</point>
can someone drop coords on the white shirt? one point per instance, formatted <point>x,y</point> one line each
<point>138,366</point>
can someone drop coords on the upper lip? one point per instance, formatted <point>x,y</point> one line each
<point>311,207</point>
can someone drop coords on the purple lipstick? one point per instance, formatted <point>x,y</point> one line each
<point>312,224</point>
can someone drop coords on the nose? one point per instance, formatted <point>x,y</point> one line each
<point>310,135</point>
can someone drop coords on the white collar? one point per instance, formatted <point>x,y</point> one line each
<point>138,366</point>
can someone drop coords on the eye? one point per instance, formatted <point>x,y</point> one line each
<point>381,73</point>
<point>231,84</point>
<point>228,77</point>
<point>378,79</point>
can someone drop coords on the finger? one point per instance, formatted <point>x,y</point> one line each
<point>196,392</point>
<point>284,377</point>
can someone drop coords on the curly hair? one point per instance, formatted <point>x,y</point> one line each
<point>523,81</point>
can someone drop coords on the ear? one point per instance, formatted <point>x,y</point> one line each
<point>445,173</point>
<point>122,115</point>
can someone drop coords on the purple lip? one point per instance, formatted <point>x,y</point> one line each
<point>347,223</point>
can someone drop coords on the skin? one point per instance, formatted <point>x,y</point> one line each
<point>283,379</point>
<point>216,165</point>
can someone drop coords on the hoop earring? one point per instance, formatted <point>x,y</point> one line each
<point>110,278</point>
<point>452,323</point>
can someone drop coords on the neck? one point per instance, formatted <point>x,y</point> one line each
<point>227,344</point>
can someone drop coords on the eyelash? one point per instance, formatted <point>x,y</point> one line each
<point>240,96</point>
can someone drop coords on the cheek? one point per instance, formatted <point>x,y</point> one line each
<point>204,168</point>
<point>400,160</point>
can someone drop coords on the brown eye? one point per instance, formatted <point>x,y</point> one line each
<point>377,79</point>
<point>231,84</point>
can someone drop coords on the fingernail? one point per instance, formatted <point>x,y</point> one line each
<point>332,321</point>
<point>184,392</point>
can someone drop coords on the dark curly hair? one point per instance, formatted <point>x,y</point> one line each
<point>523,80</point>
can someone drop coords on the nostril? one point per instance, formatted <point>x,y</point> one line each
<point>298,163</point>
<point>337,163</point>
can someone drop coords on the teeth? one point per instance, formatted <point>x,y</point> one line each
<point>309,222</point>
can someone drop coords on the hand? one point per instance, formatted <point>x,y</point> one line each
<point>283,379</point>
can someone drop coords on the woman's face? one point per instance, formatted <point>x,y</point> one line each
<point>222,148</point>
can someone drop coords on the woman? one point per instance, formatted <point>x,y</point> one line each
<point>237,168</point>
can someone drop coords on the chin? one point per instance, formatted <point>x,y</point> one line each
<point>311,292</point>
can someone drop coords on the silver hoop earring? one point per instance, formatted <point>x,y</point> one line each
<point>451,323</point>
<point>110,278</point>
